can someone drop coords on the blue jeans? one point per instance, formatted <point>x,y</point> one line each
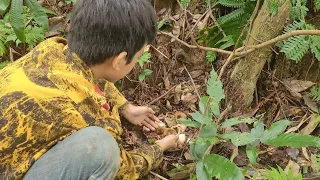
<point>90,153</point>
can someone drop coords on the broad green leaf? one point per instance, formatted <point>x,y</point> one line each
<point>252,153</point>
<point>209,130</point>
<point>3,6</point>
<point>202,172</point>
<point>227,42</point>
<point>190,123</point>
<point>197,116</point>
<point>294,140</point>
<point>215,91</point>
<point>235,121</point>
<point>257,132</point>
<point>221,168</point>
<point>16,19</point>
<point>239,139</point>
<point>274,130</point>
<point>203,103</point>
<point>200,146</point>
<point>38,13</point>
<point>161,23</point>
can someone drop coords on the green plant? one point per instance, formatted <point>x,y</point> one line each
<point>23,24</point>
<point>231,25</point>
<point>142,60</point>
<point>315,93</point>
<point>4,64</point>
<point>210,165</point>
<point>274,174</point>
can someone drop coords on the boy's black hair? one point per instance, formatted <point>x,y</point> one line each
<point>101,29</point>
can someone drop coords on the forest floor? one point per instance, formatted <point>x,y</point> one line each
<point>179,78</point>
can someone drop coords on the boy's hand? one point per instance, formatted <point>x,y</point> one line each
<point>168,142</point>
<point>141,116</point>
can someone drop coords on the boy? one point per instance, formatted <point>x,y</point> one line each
<point>59,111</point>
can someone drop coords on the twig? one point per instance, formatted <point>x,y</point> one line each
<point>159,52</point>
<point>215,21</point>
<point>157,175</point>
<point>195,47</point>
<point>277,39</point>
<point>230,58</point>
<point>164,94</point>
<point>224,113</point>
<point>238,51</point>
<point>194,85</point>
<point>225,65</point>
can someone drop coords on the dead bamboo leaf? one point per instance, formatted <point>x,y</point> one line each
<point>313,123</point>
<point>170,119</point>
<point>305,153</point>
<point>314,164</point>
<point>167,84</point>
<point>235,153</point>
<point>297,86</point>
<point>310,103</point>
<point>294,166</point>
<point>177,94</point>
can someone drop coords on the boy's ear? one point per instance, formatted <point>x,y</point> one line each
<point>119,60</point>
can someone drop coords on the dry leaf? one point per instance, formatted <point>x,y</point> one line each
<point>177,94</point>
<point>235,153</point>
<point>187,156</point>
<point>314,164</point>
<point>313,123</point>
<point>297,86</point>
<point>310,103</point>
<point>305,153</point>
<point>294,166</point>
<point>167,83</point>
<point>195,74</point>
<point>189,98</point>
<point>170,119</point>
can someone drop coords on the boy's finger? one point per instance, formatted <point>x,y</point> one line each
<point>151,111</point>
<point>145,129</point>
<point>154,118</point>
<point>145,123</point>
<point>152,123</point>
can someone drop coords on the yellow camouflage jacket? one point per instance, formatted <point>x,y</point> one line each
<point>49,94</point>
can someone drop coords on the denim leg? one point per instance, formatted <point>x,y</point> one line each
<point>90,153</point>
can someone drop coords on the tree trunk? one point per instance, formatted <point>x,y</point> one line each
<point>242,83</point>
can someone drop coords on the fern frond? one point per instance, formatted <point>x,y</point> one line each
<point>232,3</point>
<point>38,13</point>
<point>279,174</point>
<point>295,48</point>
<point>231,16</point>
<point>294,26</point>
<point>2,48</point>
<point>315,46</point>
<point>34,35</point>
<point>315,93</point>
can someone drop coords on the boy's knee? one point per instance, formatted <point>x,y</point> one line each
<point>101,148</point>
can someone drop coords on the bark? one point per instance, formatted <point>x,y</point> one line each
<point>242,83</point>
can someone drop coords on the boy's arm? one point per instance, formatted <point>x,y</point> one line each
<point>139,162</point>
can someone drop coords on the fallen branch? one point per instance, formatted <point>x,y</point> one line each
<point>158,98</point>
<point>250,49</point>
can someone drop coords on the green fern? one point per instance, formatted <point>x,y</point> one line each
<point>274,174</point>
<point>296,47</point>
<point>231,16</point>
<point>17,20</point>
<point>232,3</point>
<point>294,26</point>
<point>38,13</point>
<point>298,9</point>
<point>315,46</point>
<point>315,93</point>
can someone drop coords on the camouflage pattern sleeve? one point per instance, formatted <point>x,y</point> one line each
<point>139,162</point>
